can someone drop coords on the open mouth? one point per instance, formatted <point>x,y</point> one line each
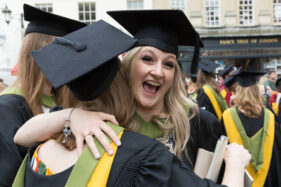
<point>151,87</point>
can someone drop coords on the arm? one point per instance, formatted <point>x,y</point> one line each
<point>43,126</point>
<point>162,167</point>
<point>236,160</point>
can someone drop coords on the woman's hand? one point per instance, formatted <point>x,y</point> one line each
<point>84,124</point>
<point>236,159</point>
<point>238,154</point>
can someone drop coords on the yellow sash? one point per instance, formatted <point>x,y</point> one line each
<point>234,136</point>
<point>214,102</point>
<point>275,107</point>
<point>100,176</point>
<point>223,93</point>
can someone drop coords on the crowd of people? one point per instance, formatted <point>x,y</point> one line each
<point>78,115</point>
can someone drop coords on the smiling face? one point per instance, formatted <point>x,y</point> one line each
<point>152,77</point>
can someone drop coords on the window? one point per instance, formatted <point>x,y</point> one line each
<point>48,7</point>
<point>277,11</point>
<point>246,12</point>
<point>134,4</point>
<point>212,10</point>
<point>178,4</point>
<point>87,12</point>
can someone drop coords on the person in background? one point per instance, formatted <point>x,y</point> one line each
<point>226,72</point>
<point>269,84</point>
<point>251,124</point>
<point>31,94</point>
<point>230,86</point>
<point>140,161</point>
<point>209,97</point>
<point>2,85</point>
<point>275,97</point>
<point>191,87</point>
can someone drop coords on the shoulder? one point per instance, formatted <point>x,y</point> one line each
<point>56,157</point>
<point>208,120</point>
<point>14,105</point>
<point>134,142</point>
<point>11,101</point>
<point>14,111</point>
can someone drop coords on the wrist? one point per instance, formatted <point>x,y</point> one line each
<point>67,131</point>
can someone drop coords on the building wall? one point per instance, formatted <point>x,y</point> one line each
<point>161,4</point>
<point>229,12</point>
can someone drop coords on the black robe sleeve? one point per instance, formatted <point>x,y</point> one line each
<point>149,163</point>
<point>14,112</point>
<point>204,133</point>
<point>204,102</point>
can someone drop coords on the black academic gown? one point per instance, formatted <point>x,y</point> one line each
<point>14,112</point>
<point>204,102</point>
<point>140,161</point>
<point>204,133</point>
<point>252,126</point>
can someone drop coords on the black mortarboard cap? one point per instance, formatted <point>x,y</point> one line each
<point>226,70</point>
<point>162,29</point>
<point>193,77</point>
<point>229,81</point>
<point>207,65</point>
<point>185,66</point>
<point>48,23</point>
<point>85,60</point>
<point>248,76</point>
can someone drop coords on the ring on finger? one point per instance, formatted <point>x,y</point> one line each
<point>89,134</point>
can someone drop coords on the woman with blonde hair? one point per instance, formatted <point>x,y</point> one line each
<point>209,97</point>
<point>251,124</point>
<point>160,107</point>
<point>31,94</point>
<point>140,161</point>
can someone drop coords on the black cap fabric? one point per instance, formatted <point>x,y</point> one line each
<point>226,70</point>
<point>163,29</point>
<point>207,65</point>
<point>249,76</point>
<point>85,60</point>
<point>229,81</point>
<point>48,23</point>
<point>193,77</point>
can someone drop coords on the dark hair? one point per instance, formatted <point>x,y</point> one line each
<point>270,71</point>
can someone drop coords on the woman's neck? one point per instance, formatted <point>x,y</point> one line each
<point>148,113</point>
<point>191,88</point>
<point>47,90</point>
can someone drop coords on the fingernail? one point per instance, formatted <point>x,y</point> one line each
<point>118,143</point>
<point>110,152</point>
<point>97,156</point>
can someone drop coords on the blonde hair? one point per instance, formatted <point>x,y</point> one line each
<point>30,78</point>
<point>206,78</point>
<point>174,116</point>
<point>248,100</point>
<point>113,101</point>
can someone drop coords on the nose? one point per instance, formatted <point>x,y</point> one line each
<point>157,70</point>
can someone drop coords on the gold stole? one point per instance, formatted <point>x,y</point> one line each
<point>234,136</point>
<point>223,93</point>
<point>214,102</point>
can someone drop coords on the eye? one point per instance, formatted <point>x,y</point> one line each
<point>147,58</point>
<point>169,64</point>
